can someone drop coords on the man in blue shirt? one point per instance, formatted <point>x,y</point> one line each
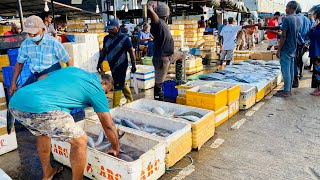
<point>44,106</point>
<point>144,37</point>
<point>288,46</point>
<point>301,48</point>
<point>116,46</point>
<point>44,52</point>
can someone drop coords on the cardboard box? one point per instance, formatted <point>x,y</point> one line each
<point>264,55</point>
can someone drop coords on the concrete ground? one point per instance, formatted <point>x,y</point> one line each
<point>278,141</point>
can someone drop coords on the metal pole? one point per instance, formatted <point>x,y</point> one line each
<point>108,9</point>
<point>54,21</point>
<point>20,14</point>
<point>115,3</point>
<point>144,13</point>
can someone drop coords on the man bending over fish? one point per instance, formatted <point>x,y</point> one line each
<point>44,107</point>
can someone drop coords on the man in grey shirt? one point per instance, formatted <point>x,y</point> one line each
<point>47,20</point>
<point>287,48</point>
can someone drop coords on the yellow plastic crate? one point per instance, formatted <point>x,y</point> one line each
<point>178,149</point>
<point>4,61</point>
<point>247,96</point>
<point>234,108</point>
<point>191,31</point>
<point>201,30</point>
<point>176,26</point>
<point>260,95</point>
<point>203,131</point>
<point>233,90</point>
<point>207,101</point>
<point>181,100</point>
<point>177,32</point>
<point>191,26</point>
<point>191,35</point>
<point>221,116</point>
<point>182,89</point>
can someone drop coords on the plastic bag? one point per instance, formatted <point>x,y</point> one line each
<point>135,84</point>
<point>306,59</point>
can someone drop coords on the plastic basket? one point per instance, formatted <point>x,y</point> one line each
<point>13,55</point>
<point>169,89</point>
<point>12,41</point>
<point>195,51</point>
<point>7,73</point>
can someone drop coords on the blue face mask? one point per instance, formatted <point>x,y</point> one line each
<point>36,38</point>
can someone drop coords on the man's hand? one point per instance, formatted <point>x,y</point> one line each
<point>133,69</point>
<point>113,152</point>
<point>315,24</point>
<point>99,67</point>
<point>13,88</point>
<point>278,54</point>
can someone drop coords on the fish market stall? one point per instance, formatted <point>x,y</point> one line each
<point>202,121</point>
<point>176,135</point>
<point>140,157</point>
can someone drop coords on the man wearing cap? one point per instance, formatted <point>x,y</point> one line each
<point>116,45</point>
<point>164,53</point>
<point>44,52</point>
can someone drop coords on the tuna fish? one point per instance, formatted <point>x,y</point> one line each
<point>91,142</point>
<point>10,121</point>
<point>191,113</point>
<point>100,138</point>
<point>129,124</point>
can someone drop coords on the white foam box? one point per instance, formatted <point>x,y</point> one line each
<point>91,40</point>
<point>177,144</point>
<point>8,142</point>
<point>99,165</point>
<point>3,175</point>
<point>78,52</point>
<point>202,130</point>
<point>178,37</point>
<point>144,76</point>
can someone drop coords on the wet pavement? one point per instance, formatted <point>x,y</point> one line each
<point>279,141</point>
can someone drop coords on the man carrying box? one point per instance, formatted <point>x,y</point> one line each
<point>44,52</point>
<point>43,107</point>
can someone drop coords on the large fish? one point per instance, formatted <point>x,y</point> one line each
<point>10,121</point>
<point>129,124</point>
<point>100,138</point>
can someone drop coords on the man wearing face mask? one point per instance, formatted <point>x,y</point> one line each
<point>44,52</point>
<point>116,45</point>
<point>43,108</point>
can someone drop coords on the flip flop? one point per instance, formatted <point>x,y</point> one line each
<point>315,93</point>
<point>283,94</point>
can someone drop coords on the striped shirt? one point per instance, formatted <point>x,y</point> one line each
<point>117,48</point>
<point>42,56</point>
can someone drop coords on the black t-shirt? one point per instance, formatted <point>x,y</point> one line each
<point>163,41</point>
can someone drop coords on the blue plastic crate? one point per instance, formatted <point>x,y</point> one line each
<point>150,48</point>
<point>74,111</point>
<point>13,55</point>
<point>195,51</point>
<point>169,89</point>
<point>7,73</point>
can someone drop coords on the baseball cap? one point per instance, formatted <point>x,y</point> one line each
<point>112,23</point>
<point>33,25</point>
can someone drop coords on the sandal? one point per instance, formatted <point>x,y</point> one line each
<point>283,94</point>
<point>58,170</point>
<point>315,93</point>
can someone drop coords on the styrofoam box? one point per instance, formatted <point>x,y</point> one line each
<point>145,76</point>
<point>91,40</point>
<point>8,142</point>
<point>99,165</point>
<point>3,175</point>
<point>202,130</point>
<point>77,52</point>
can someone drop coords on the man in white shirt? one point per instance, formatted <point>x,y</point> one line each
<point>229,40</point>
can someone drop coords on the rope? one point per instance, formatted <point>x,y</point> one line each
<point>187,167</point>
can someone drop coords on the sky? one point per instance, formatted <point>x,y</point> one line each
<point>306,4</point>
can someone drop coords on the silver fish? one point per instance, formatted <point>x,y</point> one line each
<point>158,110</point>
<point>190,118</point>
<point>104,147</point>
<point>191,113</point>
<point>129,124</point>
<point>125,157</point>
<point>100,138</point>
<point>91,142</point>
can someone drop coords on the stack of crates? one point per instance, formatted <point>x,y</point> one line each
<point>177,32</point>
<point>241,55</point>
<point>210,43</point>
<point>96,27</point>
<point>182,89</point>
<point>191,27</point>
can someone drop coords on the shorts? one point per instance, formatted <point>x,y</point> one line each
<point>161,65</point>
<point>58,125</point>
<point>273,42</point>
<point>226,54</point>
<point>141,47</point>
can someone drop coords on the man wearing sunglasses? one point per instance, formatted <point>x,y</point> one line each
<point>44,52</point>
<point>116,47</point>
<point>43,108</point>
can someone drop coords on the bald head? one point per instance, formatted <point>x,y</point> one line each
<point>163,11</point>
